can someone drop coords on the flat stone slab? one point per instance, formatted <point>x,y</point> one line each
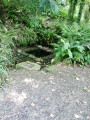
<point>50,68</point>
<point>28,65</point>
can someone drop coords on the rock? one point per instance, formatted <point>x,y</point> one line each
<point>28,66</point>
<point>50,68</point>
<point>35,58</point>
<point>19,51</point>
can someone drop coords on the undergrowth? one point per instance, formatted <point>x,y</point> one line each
<point>27,37</point>
<point>6,44</point>
<point>74,44</point>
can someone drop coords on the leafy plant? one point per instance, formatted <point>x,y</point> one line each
<point>74,45</point>
<point>27,37</point>
<point>49,5</point>
<point>60,14</point>
<point>5,52</point>
<point>46,36</point>
<point>3,69</point>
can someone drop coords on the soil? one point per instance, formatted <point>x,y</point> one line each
<point>63,94</point>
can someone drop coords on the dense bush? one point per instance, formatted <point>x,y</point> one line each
<point>5,53</point>
<point>46,36</point>
<point>26,37</point>
<point>74,44</point>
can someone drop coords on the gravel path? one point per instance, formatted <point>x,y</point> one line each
<point>63,94</point>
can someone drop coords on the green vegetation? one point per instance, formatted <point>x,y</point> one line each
<point>62,25</point>
<point>74,44</point>
<point>6,44</point>
<point>27,37</point>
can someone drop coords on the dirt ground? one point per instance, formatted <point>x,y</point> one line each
<point>63,94</point>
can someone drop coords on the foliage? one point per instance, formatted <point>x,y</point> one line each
<point>46,36</point>
<point>5,52</point>
<point>74,45</point>
<point>27,11</point>
<point>1,10</point>
<point>61,14</point>
<point>36,6</point>
<point>26,37</point>
<point>57,25</point>
<point>49,5</point>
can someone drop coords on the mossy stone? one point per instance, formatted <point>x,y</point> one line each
<point>28,66</point>
<point>50,68</point>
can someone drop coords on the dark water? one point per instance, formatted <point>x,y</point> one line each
<point>39,52</point>
<point>45,55</point>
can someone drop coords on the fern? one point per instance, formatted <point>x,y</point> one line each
<point>36,6</point>
<point>5,52</point>
<point>27,37</point>
<point>74,44</point>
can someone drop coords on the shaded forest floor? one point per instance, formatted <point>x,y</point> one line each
<point>63,94</point>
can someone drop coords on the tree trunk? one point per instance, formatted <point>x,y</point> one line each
<point>87,13</point>
<point>72,9</point>
<point>1,9</point>
<point>81,10</point>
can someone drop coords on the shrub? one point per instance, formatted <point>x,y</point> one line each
<point>74,45</point>
<point>62,14</point>
<point>46,36</point>
<point>56,25</point>
<point>27,36</point>
<point>5,53</point>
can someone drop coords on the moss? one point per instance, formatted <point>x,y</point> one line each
<point>50,68</point>
<point>28,66</point>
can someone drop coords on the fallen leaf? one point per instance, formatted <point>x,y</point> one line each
<point>35,86</point>
<point>33,105</point>
<point>81,112</point>
<point>18,113</point>
<point>88,117</point>
<point>84,102</point>
<point>78,102</point>
<point>24,95</point>
<point>53,90</point>
<point>76,116</point>
<point>45,82</point>
<point>60,72</point>
<point>47,99</point>
<point>73,92</point>
<point>51,78</point>
<point>43,72</point>
<point>87,89</point>
<point>52,82</point>
<point>77,78</point>
<point>52,60</point>
<point>51,115</point>
<point>38,62</point>
<point>41,98</point>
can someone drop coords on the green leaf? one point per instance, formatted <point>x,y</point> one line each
<point>70,53</point>
<point>2,71</point>
<point>66,46</point>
